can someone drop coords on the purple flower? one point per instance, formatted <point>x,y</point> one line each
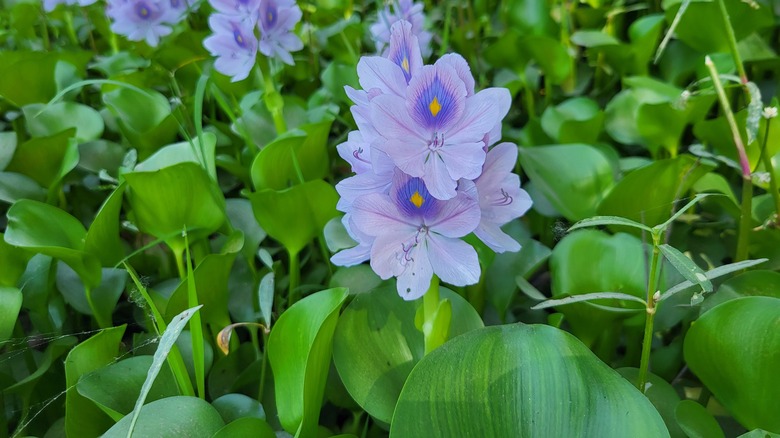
<point>246,9</point>
<point>402,10</point>
<point>50,5</point>
<point>417,235</point>
<point>436,132</point>
<point>181,8</point>
<point>276,20</point>
<point>360,252</point>
<point>500,198</point>
<point>142,20</point>
<point>233,43</point>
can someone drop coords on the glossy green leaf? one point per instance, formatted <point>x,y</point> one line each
<point>117,386</point>
<point>102,298</point>
<point>8,142</point>
<point>376,345</point>
<point>14,262</point>
<point>520,380</point>
<point>46,159</point>
<point>82,416</point>
<point>588,261</point>
<point>694,419</point>
<point>15,186</point>
<point>144,117</point>
<point>102,239</point>
<point>574,186</point>
<point>246,427</point>
<point>26,67</point>
<point>575,120</point>
<point>296,215</point>
<point>10,304</point>
<point>235,406</point>
<point>647,195</point>
<point>239,212</point>
<point>41,228</point>
<point>662,395</point>
<point>276,166</point>
<point>358,279</point>
<point>747,284</point>
<point>500,287</point>
<point>759,433</point>
<point>712,274</point>
<point>299,349</point>
<point>46,120</point>
<point>166,201</point>
<point>734,349</point>
<point>172,417</point>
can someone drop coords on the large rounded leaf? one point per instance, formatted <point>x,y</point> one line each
<point>172,417</point>
<point>735,349</point>
<point>377,344</point>
<point>573,177</point>
<point>520,381</point>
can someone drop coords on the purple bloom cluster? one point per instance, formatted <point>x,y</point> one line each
<point>402,10</point>
<point>50,5</point>
<point>234,41</point>
<point>146,20</point>
<point>425,175</point>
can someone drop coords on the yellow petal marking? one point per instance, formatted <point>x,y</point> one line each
<point>144,12</point>
<point>434,106</point>
<point>416,199</point>
<point>405,64</point>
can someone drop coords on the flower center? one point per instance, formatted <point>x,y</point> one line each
<point>416,199</point>
<point>239,38</point>
<point>436,142</point>
<point>142,10</point>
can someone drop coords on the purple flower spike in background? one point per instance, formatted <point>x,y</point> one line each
<point>500,198</point>
<point>402,10</point>
<point>233,43</point>
<point>417,235</point>
<point>142,20</point>
<point>437,132</point>
<point>276,20</point>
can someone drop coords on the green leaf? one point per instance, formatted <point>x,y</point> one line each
<point>102,239</point>
<point>47,120</point>
<point>100,300</point>
<point>239,212</point>
<point>172,417</point>
<point>296,215</point>
<point>575,120</point>
<point>686,267</point>
<point>661,394</point>
<point>15,186</point>
<point>7,148</point>
<point>694,419</point>
<point>305,149</point>
<point>82,416</point>
<point>235,406</point>
<point>10,304</point>
<point>520,380</point>
<point>734,349</point>
<point>647,195</point>
<point>167,341</point>
<point>712,274</point>
<point>747,284</point>
<point>597,221</point>
<point>246,427</point>
<point>575,185</point>
<point>587,297</point>
<point>588,261</point>
<point>144,117</point>
<point>116,387</point>
<point>44,229</point>
<point>299,349</point>
<point>168,200</point>
<point>46,159</point>
<point>14,262</point>
<point>376,345</point>
<point>18,67</point>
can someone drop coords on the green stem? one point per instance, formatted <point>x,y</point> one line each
<point>724,15</point>
<point>770,168</point>
<point>445,40</point>
<point>45,34</point>
<point>294,273</point>
<point>647,342</point>
<point>745,220</point>
<point>71,30</point>
<point>747,184</point>
<point>273,100</point>
<point>264,366</point>
<point>476,296</point>
<point>430,306</point>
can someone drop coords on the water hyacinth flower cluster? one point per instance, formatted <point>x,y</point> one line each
<point>236,25</point>
<point>402,10</point>
<point>146,20</point>
<point>425,175</point>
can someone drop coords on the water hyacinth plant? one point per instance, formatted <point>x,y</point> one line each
<point>267,218</point>
<point>422,181</point>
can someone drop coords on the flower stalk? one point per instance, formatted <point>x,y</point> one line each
<point>747,183</point>
<point>652,299</point>
<point>432,334</point>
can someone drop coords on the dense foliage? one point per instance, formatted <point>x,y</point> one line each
<point>232,218</point>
